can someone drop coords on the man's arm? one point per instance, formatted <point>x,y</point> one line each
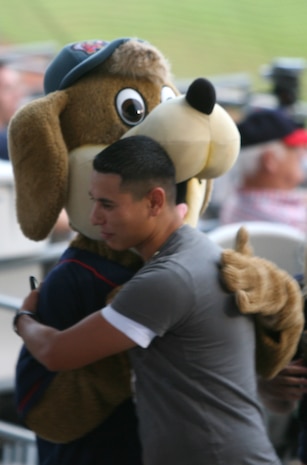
<point>88,341</point>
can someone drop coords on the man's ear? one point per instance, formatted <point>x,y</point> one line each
<point>157,199</point>
<point>270,160</point>
<point>182,209</point>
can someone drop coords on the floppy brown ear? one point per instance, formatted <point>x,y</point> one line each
<point>40,163</point>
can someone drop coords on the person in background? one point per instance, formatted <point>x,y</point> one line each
<point>12,93</point>
<point>195,388</point>
<point>282,397</point>
<point>267,177</point>
<point>287,394</point>
<point>302,408</point>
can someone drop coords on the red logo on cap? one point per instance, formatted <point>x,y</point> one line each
<point>90,47</point>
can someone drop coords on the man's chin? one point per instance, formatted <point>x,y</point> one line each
<point>114,246</point>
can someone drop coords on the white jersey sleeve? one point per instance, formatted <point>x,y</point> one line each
<point>141,335</point>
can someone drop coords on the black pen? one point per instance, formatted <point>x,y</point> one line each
<point>33,282</point>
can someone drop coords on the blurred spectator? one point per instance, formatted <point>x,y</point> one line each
<point>282,397</point>
<point>267,177</point>
<point>12,93</point>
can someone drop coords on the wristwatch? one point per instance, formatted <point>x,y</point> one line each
<point>20,313</point>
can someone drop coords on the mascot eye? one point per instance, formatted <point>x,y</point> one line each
<point>130,106</point>
<point>167,93</point>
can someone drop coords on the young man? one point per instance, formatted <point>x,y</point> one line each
<point>191,350</point>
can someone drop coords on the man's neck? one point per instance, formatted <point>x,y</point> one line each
<point>158,238</point>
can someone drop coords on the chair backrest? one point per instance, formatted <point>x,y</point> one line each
<point>279,243</point>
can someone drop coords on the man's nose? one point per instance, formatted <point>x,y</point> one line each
<point>97,216</point>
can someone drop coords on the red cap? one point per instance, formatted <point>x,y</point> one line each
<point>296,138</point>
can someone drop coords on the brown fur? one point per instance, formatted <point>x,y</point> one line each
<point>135,61</point>
<point>274,298</point>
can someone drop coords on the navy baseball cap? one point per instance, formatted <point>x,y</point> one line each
<point>77,59</point>
<point>266,125</point>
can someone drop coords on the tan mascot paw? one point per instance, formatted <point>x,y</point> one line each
<point>273,296</point>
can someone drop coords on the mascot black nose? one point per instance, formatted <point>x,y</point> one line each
<point>201,95</point>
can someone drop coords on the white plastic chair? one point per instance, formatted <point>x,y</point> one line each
<point>279,243</point>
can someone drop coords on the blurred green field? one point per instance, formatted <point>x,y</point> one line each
<point>200,37</point>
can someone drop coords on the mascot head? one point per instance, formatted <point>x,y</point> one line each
<point>97,92</point>
<point>197,133</point>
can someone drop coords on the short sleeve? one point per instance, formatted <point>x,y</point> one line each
<point>157,297</point>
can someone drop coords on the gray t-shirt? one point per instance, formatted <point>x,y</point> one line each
<point>196,388</point>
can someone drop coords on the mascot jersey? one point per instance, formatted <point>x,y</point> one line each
<point>83,279</point>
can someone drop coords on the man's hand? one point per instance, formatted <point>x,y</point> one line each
<point>30,302</point>
<point>282,393</point>
<point>28,309</point>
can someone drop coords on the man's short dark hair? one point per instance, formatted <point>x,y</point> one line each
<point>141,162</point>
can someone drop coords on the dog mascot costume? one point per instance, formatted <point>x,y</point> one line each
<point>95,93</point>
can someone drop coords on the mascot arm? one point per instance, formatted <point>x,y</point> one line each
<point>78,401</point>
<point>261,288</point>
<point>40,163</point>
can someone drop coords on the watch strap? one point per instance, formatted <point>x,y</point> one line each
<point>18,314</point>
